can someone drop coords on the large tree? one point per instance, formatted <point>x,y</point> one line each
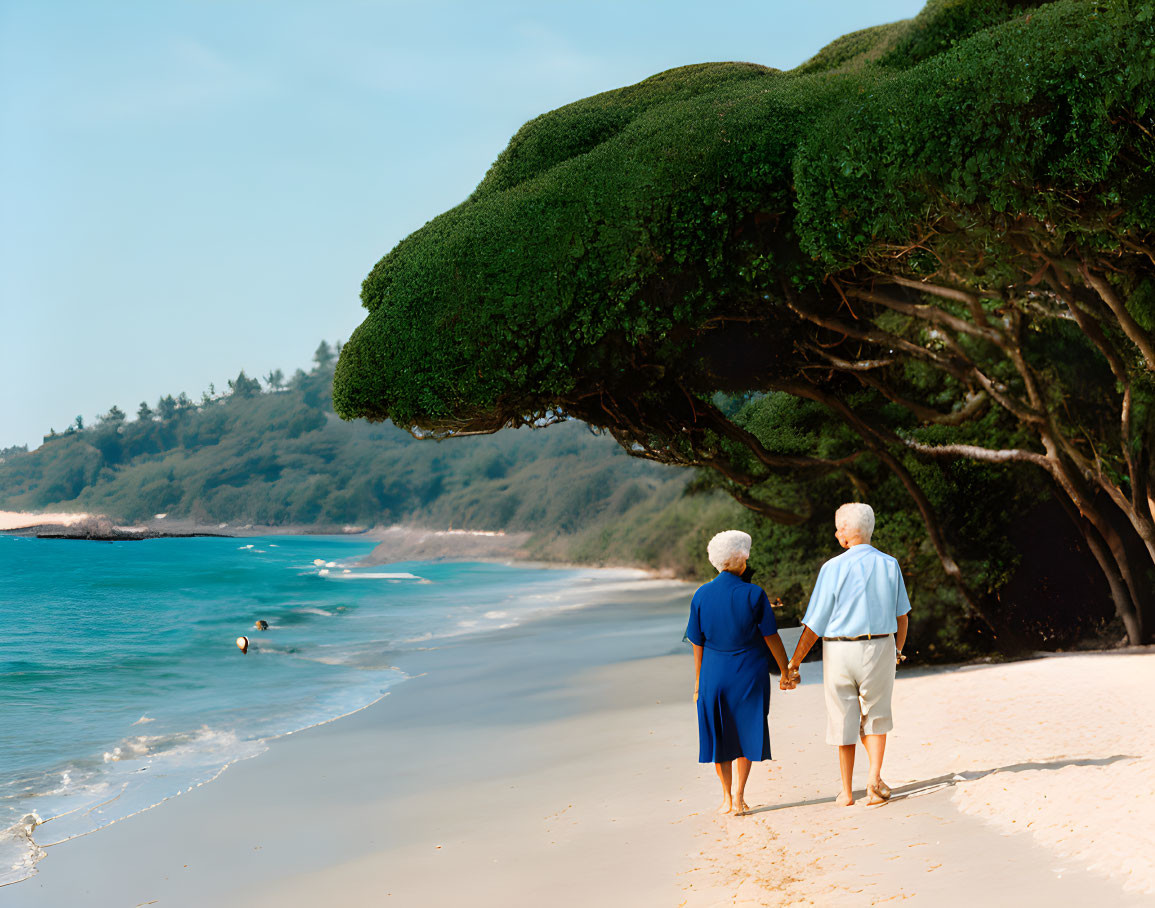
<point>940,231</point>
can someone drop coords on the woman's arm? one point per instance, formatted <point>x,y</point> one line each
<point>697,668</point>
<point>778,651</point>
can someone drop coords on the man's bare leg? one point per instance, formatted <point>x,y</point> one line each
<point>876,749</point>
<point>741,774</point>
<point>725,776</point>
<point>846,769</point>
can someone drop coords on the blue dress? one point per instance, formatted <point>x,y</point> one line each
<point>729,618</point>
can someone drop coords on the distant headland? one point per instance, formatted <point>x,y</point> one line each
<point>395,543</point>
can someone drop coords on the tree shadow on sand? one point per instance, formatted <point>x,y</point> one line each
<point>929,786</point>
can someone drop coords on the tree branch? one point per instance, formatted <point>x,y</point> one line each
<point>975,401</point>
<point>1014,350</point>
<point>1131,328</point>
<point>976,452</point>
<point>929,313</point>
<point>845,365</point>
<point>971,301</point>
<point>949,293</point>
<point>960,368</point>
<point>1032,305</point>
<point>1140,511</point>
<point>778,515</point>
<point>878,337</point>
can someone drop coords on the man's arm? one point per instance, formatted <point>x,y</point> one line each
<point>805,642</point>
<point>902,612</point>
<point>817,615</point>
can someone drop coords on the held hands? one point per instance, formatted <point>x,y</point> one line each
<point>790,678</point>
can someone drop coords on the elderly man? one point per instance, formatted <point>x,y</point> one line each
<point>859,608</point>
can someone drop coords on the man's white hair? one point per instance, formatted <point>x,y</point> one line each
<point>728,549</point>
<point>857,518</point>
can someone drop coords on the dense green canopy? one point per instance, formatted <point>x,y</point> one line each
<point>573,250</point>
<point>939,230</point>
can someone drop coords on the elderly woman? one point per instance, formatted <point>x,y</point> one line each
<point>859,608</point>
<point>733,631</point>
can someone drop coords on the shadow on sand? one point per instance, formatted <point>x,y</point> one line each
<point>929,786</point>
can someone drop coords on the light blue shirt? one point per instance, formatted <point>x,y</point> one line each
<point>859,592</point>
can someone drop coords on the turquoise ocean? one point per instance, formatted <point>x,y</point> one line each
<point>121,685</point>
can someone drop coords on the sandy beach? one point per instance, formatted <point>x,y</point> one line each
<point>555,763</point>
<point>19,520</point>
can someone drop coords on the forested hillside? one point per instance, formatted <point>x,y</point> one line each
<point>273,453</point>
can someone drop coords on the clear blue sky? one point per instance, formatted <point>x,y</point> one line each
<point>190,187</point>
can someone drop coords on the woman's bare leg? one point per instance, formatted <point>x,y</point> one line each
<point>846,770</point>
<point>741,774</point>
<point>725,777</point>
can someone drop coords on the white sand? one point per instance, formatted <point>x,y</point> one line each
<point>18,520</point>
<point>1084,726</point>
<point>1025,783</point>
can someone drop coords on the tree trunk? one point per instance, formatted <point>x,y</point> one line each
<point>1135,613</point>
<point>1138,571</point>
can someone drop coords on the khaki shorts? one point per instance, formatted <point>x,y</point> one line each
<point>858,680</point>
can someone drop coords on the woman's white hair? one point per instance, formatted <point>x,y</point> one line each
<point>857,518</point>
<point>728,549</point>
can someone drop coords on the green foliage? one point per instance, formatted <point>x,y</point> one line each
<point>282,458</point>
<point>667,531</point>
<point>166,408</point>
<point>324,355</point>
<point>452,332</point>
<point>1010,118</point>
<point>243,386</point>
<point>1141,305</point>
<point>609,226</point>
<point>855,50</point>
<point>943,23</point>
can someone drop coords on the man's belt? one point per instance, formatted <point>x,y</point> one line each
<point>863,637</point>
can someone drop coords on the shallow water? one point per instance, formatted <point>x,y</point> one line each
<point>122,685</point>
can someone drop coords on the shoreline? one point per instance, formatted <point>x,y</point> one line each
<point>556,762</point>
<point>70,868</point>
<point>579,599</point>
